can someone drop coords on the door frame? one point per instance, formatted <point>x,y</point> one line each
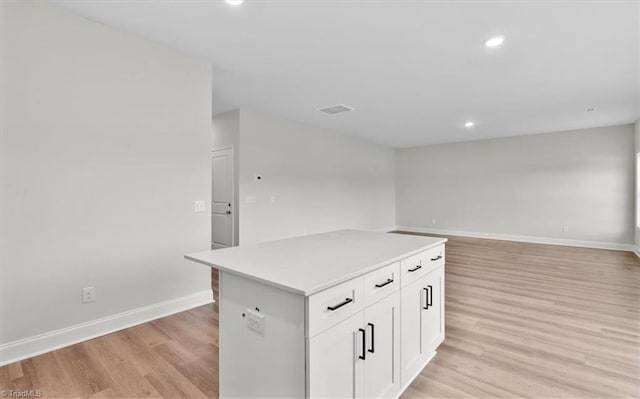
<point>233,193</point>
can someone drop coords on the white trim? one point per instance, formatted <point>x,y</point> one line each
<point>222,148</point>
<point>46,342</point>
<point>536,240</point>
<point>636,250</point>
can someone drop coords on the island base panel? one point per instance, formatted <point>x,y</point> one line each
<point>254,364</point>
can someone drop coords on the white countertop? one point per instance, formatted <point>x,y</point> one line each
<point>309,264</point>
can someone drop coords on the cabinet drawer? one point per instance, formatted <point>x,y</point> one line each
<point>419,265</point>
<point>380,283</point>
<point>331,306</point>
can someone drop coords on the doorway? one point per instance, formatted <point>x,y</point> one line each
<point>222,205</point>
<point>222,218</point>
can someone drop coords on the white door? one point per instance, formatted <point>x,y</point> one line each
<point>411,330</point>
<point>382,364</point>
<point>335,364</point>
<point>433,311</point>
<point>222,199</point>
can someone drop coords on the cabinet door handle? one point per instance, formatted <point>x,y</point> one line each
<point>373,339</point>
<point>426,298</point>
<point>341,304</point>
<point>364,344</point>
<point>436,258</point>
<point>415,268</point>
<point>389,281</point>
<point>430,303</point>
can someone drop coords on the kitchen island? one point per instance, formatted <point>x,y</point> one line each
<point>340,314</point>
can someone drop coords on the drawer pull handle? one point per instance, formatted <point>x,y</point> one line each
<point>436,258</point>
<point>372,337</point>
<point>341,304</point>
<point>364,344</point>
<point>428,297</point>
<point>415,268</point>
<point>389,281</point>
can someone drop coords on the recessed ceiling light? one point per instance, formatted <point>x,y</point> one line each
<point>591,109</point>
<point>494,41</point>
<point>469,124</point>
<point>234,2</point>
<point>336,109</point>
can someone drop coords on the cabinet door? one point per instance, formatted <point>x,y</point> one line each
<point>422,322</point>
<point>433,311</point>
<point>382,364</point>
<point>411,358</point>
<point>335,367</point>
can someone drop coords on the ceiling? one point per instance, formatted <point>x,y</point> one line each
<point>415,71</point>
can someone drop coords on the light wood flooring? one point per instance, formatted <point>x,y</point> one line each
<point>522,320</point>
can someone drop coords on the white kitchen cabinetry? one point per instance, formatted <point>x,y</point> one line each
<point>359,357</point>
<point>346,314</point>
<point>433,311</point>
<point>335,371</point>
<point>382,362</point>
<point>422,322</point>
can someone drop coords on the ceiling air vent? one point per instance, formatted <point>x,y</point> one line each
<point>335,109</point>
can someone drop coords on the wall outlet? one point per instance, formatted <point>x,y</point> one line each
<point>88,294</point>
<point>198,206</point>
<point>565,229</point>
<point>255,321</point>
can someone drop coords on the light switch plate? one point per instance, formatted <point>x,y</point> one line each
<point>198,206</point>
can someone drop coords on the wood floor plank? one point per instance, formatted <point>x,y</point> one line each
<point>125,380</point>
<point>170,386</point>
<point>522,320</point>
<point>87,376</point>
<point>53,379</point>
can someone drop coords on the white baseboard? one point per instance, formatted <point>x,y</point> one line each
<point>46,342</point>
<point>530,239</point>
<point>636,250</point>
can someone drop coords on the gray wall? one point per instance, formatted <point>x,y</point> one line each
<point>105,146</point>
<point>313,180</point>
<point>525,186</point>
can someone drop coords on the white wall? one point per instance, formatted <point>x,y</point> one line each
<point>105,145</point>
<point>523,186</point>
<point>313,180</point>
<point>226,127</point>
